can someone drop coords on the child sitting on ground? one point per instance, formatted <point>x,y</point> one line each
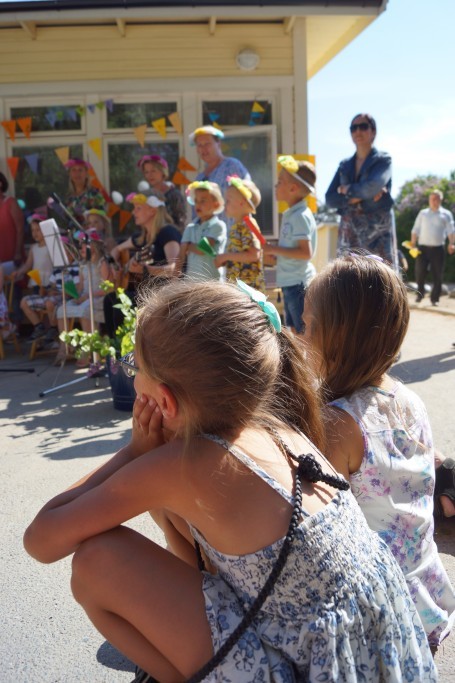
<point>356,317</point>
<point>208,203</point>
<point>218,443</point>
<point>243,258</point>
<point>297,242</point>
<point>38,259</point>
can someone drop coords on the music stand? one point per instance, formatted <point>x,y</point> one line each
<point>60,259</point>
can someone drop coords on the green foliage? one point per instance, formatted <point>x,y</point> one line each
<point>413,198</point>
<point>93,342</point>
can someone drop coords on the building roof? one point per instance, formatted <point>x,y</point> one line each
<point>46,5</point>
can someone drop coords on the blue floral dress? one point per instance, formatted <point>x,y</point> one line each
<point>340,610</point>
<point>394,487</point>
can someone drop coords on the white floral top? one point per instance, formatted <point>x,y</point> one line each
<point>339,611</point>
<point>394,487</point>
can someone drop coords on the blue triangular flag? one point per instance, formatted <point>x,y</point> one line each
<point>32,161</point>
<point>71,113</point>
<point>109,105</point>
<point>213,116</point>
<point>51,116</point>
<point>91,108</point>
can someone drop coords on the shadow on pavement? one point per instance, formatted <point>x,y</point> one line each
<point>108,656</point>
<point>421,369</point>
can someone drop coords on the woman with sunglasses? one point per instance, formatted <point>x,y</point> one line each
<point>360,191</point>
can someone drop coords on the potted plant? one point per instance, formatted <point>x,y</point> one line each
<point>110,349</point>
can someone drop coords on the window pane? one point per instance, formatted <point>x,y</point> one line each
<point>46,119</point>
<point>255,152</point>
<point>124,175</point>
<point>236,113</point>
<point>132,115</point>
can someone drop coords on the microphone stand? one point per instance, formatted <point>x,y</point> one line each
<point>94,370</point>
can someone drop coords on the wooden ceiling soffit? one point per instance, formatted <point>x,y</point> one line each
<point>288,24</point>
<point>29,28</point>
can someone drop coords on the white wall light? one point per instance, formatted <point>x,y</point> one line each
<point>247,60</point>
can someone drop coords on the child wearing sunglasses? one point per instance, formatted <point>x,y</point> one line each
<point>271,572</point>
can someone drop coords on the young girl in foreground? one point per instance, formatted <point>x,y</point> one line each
<point>356,316</point>
<point>211,367</point>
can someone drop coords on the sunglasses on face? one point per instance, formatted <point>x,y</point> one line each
<point>127,363</point>
<point>360,126</point>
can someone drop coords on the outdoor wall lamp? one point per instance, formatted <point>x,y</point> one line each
<point>247,60</point>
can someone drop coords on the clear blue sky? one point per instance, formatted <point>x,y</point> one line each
<point>401,70</point>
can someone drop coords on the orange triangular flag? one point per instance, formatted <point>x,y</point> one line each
<point>180,179</point>
<point>95,145</point>
<point>160,126</point>
<point>25,125</point>
<point>176,122</point>
<point>140,133</point>
<point>35,275</point>
<point>13,164</point>
<point>124,218</point>
<point>63,154</point>
<point>258,108</point>
<point>96,183</point>
<point>112,210</point>
<point>10,127</point>
<point>184,165</point>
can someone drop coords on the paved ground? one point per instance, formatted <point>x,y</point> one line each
<point>46,443</point>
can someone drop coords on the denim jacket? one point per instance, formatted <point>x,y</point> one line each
<point>375,174</point>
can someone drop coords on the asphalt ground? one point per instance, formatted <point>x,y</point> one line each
<point>48,442</point>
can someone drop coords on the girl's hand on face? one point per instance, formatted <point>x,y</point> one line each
<point>147,426</point>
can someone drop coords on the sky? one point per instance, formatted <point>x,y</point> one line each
<point>401,70</point>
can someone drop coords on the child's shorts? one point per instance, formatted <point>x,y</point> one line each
<point>37,302</point>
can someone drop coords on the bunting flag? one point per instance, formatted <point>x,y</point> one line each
<point>184,165</point>
<point>109,105</point>
<point>213,116</point>
<point>96,146</point>
<point>176,122</point>
<point>80,110</point>
<point>25,125</point>
<point>63,154</point>
<point>71,113</point>
<point>13,165</point>
<point>215,124</point>
<point>91,108</point>
<point>96,183</point>
<point>10,127</point>
<point>160,126</point>
<point>100,105</point>
<point>35,275</point>
<point>180,179</point>
<point>124,218</point>
<point>140,133</point>
<point>51,118</point>
<point>112,209</point>
<point>257,108</point>
<point>32,160</point>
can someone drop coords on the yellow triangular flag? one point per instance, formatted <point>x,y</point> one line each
<point>184,165</point>
<point>160,126</point>
<point>140,132</point>
<point>35,275</point>
<point>216,125</point>
<point>257,108</point>
<point>25,125</point>
<point>63,154</point>
<point>95,145</point>
<point>176,122</point>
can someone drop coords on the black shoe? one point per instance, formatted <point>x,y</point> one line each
<point>419,298</point>
<point>435,303</point>
<point>38,332</point>
<point>143,677</point>
<point>51,335</point>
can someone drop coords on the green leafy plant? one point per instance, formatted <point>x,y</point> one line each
<point>93,342</point>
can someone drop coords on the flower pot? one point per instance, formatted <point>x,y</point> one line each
<point>122,387</point>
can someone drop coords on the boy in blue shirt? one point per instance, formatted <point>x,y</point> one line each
<point>208,202</point>
<point>297,241</point>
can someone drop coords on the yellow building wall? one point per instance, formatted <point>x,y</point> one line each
<point>153,51</point>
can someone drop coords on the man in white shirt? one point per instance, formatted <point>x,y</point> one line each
<point>431,228</point>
